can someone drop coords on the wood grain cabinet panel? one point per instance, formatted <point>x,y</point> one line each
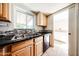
<point>27,51</point>
<point>4,12</point>
<point>0,10</point>
<point>38,47</point>
<point>5,51</point>
<point>24,48</point>
<point>41,19</point>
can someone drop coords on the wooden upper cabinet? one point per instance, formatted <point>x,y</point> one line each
<point>0,10</point>
<point>41,19</point>
<point>4,12</point>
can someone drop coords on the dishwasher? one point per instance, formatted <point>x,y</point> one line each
<point>46,42</point>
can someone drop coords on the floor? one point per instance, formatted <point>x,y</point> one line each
<point>58,50</point>
<point>60,45</point>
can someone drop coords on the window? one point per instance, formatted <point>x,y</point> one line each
<point>24,20</point>
<point>30,22</point>
<point>20,20</point>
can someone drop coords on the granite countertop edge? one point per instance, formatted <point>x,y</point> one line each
<point>7,42</point>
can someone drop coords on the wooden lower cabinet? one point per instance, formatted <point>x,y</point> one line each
<point>23,48</point>
<point>38,49</point>
<point>27,51</point>
<point>5,54</point>
<point>39,46</point>
<point>32,47</point>
<point>5,51</point>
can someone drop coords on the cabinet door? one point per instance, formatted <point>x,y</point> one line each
<point>27,51</point>
<point>5,51</point>
<point>38,19</point>
<point>0,9</point>
<point>5,11</point>
<point>39,48</point>
<point>44,20</point>
<point>41,19</point>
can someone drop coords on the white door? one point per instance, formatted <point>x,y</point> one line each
<point>72,31</point>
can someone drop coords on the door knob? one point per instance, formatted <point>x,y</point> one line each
<point>69,33</point>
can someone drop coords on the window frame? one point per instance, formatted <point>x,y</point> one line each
<point>33,20</point>
<point>24,12</point>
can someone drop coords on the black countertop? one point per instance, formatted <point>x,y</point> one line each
<point>45,31</point>
<point>10,39</point>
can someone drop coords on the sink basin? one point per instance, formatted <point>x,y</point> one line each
<point>28,36</point>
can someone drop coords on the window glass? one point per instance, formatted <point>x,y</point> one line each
<point>20,20</point>
<point>30,21</point>
<point>24,20</point>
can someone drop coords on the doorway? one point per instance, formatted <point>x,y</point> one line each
<point>61,29</point>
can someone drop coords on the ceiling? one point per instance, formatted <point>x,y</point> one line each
<point>46,8</point>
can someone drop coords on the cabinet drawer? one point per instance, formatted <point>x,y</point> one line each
<point>21,45</point>
<point>38,39</point>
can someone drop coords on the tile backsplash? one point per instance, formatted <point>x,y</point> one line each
<point>5,26</point>
<point>2,24</point>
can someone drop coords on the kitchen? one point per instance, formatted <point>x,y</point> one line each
<point>20,41</point>
<point>24,31</point>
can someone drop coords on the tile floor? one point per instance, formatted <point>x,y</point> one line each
<point>58,50</point>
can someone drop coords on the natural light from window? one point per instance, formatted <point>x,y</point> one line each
<point>24,21</point>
